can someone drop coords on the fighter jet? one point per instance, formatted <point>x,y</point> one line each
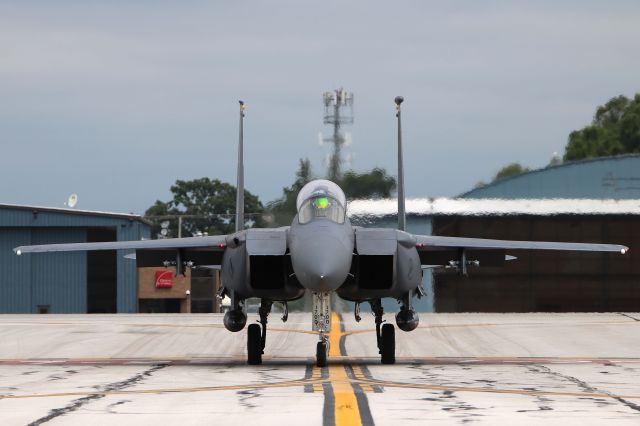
<point>324,254</point>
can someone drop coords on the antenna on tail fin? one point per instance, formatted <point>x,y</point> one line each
<point>402,220</point>
<point>240,182</point>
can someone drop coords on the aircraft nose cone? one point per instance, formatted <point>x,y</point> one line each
<point>318,275</point>
<point>321,267</point>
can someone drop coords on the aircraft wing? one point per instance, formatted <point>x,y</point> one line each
<point>459,252</point>
<point>209,243</point>
<point>433,242</point>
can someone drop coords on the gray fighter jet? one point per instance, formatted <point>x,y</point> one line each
<point>322,253</point>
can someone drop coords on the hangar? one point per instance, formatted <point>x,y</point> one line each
<point>79,282</point>
<point>615,177</point>
<point>595,200</point>
<point>536,281</point>
<point>90,282</point>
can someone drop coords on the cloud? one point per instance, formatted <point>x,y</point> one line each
<point>147,92</point>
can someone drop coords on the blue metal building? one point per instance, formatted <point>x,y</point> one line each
<point>604,178</point>
<point>76,282</point>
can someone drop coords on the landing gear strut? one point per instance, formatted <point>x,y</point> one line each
<point>385,334</point>
<point>321,314</point>
<point>257,335</point>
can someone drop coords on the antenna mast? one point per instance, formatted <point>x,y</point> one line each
<point>335,104</point>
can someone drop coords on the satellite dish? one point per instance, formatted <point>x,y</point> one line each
<point>72,200</point>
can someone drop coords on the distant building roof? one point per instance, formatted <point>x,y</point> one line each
<point>615,177</point>
<point>494,207</point>
<point>129,216</point>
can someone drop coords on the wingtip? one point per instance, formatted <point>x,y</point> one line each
<point>624,250</point>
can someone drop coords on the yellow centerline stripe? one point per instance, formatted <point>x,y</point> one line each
<point>346,409</point>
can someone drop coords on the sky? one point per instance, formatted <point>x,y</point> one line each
<point>115,100</point>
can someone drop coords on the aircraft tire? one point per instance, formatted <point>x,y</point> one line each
<point>388,344</point>
<point>254,344</point>
<point>321,354</point>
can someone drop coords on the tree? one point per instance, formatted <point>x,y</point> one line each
<point>615,130</point>
<point>373,184</point>
<point>284,209</point>
<point>510,170</point>
<point>206,205</point>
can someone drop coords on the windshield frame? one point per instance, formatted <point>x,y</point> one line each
<point>305,218</point>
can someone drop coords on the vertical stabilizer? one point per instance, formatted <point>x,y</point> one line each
<point>240,182</point>
<point>402,220</point>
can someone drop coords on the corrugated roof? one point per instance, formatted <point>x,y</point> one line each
<point>550,168</point>
<point>128,216</point>
<point>494,207</point>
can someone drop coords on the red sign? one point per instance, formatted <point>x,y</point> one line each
<point>164,279</point>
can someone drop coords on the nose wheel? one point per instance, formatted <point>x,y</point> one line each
<point>322,350</point>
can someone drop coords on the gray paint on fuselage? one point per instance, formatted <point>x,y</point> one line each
<point>321,252</point>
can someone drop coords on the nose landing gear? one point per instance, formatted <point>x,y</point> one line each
<point>321,320</point>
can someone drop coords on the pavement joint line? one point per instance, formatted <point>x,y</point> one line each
<point>531,324</point>
<point>385,383</point>
<point>341,359</point>
<point>329,381</point>
<point>343,383</point>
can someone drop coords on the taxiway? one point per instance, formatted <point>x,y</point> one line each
<point>187,369</point>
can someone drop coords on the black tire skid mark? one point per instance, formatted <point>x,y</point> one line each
<point>77,403</point>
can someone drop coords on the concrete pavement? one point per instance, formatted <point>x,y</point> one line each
<point>187,369</point>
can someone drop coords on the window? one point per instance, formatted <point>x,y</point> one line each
<point>321,207</point>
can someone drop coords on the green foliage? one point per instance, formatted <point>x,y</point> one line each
<point>202,202</point>
<point>284,209</point>
<point>373,184</point>
<point>615,129</point>
<point>510,170</point>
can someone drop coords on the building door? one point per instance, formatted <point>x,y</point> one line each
<point>102,273</point>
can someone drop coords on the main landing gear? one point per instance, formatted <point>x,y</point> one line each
<point>385,334</point>
<point>257,333</point>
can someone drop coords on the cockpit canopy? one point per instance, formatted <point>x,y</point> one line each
<point>321,199</point>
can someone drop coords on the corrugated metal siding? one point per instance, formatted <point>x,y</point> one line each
<point>127,271</point>
<point>613,177</point>
<point>15,279</point>
<point>59,279</point>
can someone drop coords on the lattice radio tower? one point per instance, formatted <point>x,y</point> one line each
<point>338,110</point>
